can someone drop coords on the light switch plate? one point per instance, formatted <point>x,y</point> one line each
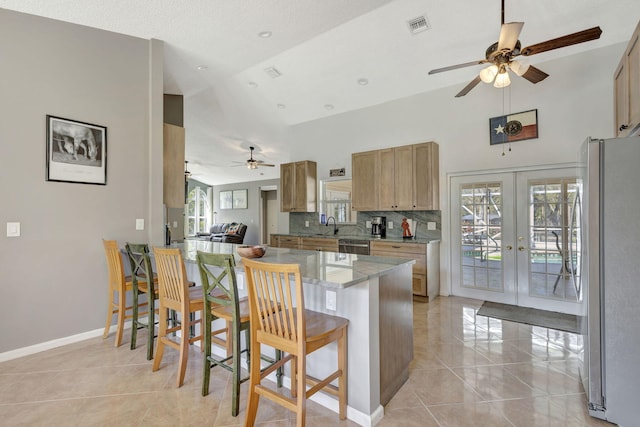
<point>13,229</point>
<point>368,224</point>
<point>175,224</point>
<point>306,223</point>
<point>330,297</point>
<point>431,225</point>
<point>240,281</point>
<point>140,224</point>
<point>390,225</point>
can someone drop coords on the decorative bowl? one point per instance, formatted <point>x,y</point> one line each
<point>251,251</point>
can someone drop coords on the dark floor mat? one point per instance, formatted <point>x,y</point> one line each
<point>530,316</point>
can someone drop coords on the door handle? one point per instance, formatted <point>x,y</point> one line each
<point>522,248</point>
<point>508,247</point>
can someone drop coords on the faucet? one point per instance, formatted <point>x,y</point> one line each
<point>335,229</point>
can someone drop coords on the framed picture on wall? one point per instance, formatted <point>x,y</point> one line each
<point>226,200</point>
<point>239,199</point>
<point>76,151</point>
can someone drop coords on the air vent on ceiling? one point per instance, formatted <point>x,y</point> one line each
<point>418,25</point>
<point>272,72</point>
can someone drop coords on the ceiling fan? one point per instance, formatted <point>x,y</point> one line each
<point>252,163</point>
<point>501,56</point>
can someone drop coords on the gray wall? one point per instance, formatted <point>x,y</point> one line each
<point>53,279</point>
<point>251,215</point>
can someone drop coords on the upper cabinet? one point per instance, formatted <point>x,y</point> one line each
<point>627,88</point>
<point>399,178</point>
<point>364,182</point>
<point>298,183</point>
<point>173,166</point>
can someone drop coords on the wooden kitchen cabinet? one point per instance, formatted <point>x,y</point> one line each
<point>319,244</point>
<point>400,178</point>
<point>627,88</point>
<point>364,181</point>
<point>298,182</point>
<point>281,241</point>
<point>426,277</point>
<point>173,166</point>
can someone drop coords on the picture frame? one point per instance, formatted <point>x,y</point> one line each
<point>226,199</point>
<point>240,199</point>
<point>513,127</point>
<point>76,151</point>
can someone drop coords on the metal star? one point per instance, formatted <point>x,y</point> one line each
<point>499,129</point>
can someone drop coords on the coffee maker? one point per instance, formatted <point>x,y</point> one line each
<point>379,227</point>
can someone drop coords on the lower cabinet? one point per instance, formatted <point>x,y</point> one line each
<point>319,244</point>
<point>426,277</point>
<point>289,242</point>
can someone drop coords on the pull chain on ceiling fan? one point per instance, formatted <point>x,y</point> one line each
<point>501,56</point>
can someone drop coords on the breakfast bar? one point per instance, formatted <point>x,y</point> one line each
<point>374,293</point>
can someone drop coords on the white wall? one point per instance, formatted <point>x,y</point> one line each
<point>576,101</point>
<point>53,279</point>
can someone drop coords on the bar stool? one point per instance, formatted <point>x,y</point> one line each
<point>119,285</point>
<point>141,270</point>
<point>223,302</point>
<point>175,294</point>
<point>279,321</point>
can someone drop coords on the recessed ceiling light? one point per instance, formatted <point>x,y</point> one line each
<point>253,84</point>
<point>282,106</point>
<point>328,106</point>
<point>265,34</point>
<point>202,67</point>
<point>363,82</point>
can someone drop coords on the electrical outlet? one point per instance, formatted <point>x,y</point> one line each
<point>431,225</point>
<point>175,224</point>
<point>390,225</point>
<point>330,298</point>
<point>306,223</point>
<point>13,229</point>
<point>368,224</point>
<point>140,224</point>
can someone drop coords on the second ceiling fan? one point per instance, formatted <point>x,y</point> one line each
<point>501,55</point>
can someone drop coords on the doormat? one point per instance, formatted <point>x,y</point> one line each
<point>530,316</point>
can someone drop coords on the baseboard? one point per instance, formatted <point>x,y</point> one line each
<point>48,345</point>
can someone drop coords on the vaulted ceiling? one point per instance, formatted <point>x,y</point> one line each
<point>332,56</point>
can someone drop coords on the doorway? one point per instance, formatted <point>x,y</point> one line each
<point>514,239</point>
<point>269,208</point>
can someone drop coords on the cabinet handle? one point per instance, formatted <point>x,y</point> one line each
<point>622,127</point>
<point>395,247</point>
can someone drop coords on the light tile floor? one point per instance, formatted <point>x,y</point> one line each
<point>467,371</point>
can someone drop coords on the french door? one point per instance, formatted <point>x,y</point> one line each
<point>513,238</point>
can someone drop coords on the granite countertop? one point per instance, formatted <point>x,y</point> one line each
<point>359,237</point>
<point>330,269</point>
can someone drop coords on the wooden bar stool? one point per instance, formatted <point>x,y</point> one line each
<point>175,294</point>
<point>141,270</point>
<point>119,285</point>
<point>279,321</point>
<point>221,301</point>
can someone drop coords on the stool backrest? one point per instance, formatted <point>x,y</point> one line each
<point>214,268</point>
<point>172,279</point>
<point>275,310</point>
<point>114,265</point>
<point>141,269</point>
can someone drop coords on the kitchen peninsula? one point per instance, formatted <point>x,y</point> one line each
<point>374,293</point>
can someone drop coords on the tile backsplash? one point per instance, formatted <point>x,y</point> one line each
<point>297,224</point>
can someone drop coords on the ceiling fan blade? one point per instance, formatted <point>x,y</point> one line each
<point>509,34</point>
<point>455,67</point>
<point>568,40</point>
<point>468,87</point>
<point>535,75</point>
<point>269,165</point>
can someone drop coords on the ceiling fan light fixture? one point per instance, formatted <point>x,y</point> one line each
<point>488,74</point>
<point>502,79</point>
<point>518,67</point>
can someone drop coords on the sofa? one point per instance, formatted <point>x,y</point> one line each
<point>228,232</point>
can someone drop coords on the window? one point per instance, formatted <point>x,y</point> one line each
<point>335,200</point>
<point>198,212</point>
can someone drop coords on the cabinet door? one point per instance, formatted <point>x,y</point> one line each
<point>287,178</point>
<point>633,79</point>
<point>403,177</point>
<point>426,171</point>
<point>386,177</point>
<point>364,167</point>
<point>304,193</point>
<point>621,99</point>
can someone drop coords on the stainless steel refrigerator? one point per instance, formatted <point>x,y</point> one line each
<point>607,228</point>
